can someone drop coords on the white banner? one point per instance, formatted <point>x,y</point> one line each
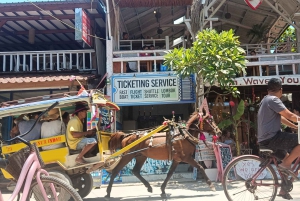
<point>250,81</point>
<point>247,169</point>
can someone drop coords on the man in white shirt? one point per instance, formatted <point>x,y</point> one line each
<point>53,126</point>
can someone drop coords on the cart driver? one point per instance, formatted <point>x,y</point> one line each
<point>271,114</point>
<point>76,137</point>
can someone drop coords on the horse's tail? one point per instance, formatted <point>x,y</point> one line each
<point>115,141</point>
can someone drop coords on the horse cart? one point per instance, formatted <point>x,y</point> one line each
<point>60,162</point>
<point>170,141</point>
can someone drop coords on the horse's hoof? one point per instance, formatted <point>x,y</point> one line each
<point>107,198</point>
<point>212,187</point>
<point>163,195</point>
<point>150,190</point>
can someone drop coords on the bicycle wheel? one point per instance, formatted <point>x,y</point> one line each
<point>64,191</point>
<point>238,181</point>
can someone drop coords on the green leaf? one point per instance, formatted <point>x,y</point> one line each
<point>225,124</point>
<point>239,111</point>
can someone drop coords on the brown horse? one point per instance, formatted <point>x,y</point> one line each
<point>182,151</point>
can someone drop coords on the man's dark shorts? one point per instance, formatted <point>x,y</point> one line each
<point>280,143</point>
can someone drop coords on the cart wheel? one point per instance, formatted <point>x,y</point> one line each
<point>83,184</point>
<point>61,175</point>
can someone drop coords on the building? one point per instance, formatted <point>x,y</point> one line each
<point>166,25</point>
<point>43,44</point>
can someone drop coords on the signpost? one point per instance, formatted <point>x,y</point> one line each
<point>82,26</point>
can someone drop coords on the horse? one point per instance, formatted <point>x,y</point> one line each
<point>157,148</point>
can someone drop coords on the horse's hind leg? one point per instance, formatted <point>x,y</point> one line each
<point>193,163</point>
<point>169,175</point>
<point>140,160</point>
<point>124,161</point>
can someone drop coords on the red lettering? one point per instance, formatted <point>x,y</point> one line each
<point>8,149</point>
<point>248,81</point>
<point>282,79</point>
<point>289,80</point>
<point>296,80</point>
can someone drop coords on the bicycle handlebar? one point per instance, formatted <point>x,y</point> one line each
<point>19,137</point>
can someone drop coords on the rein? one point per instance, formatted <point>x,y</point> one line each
<point>139,150</point>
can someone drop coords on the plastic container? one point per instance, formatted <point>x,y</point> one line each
<point>163,68</point>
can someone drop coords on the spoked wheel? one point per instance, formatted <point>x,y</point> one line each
<point>83,184</point>
<point>61,175</point>
<point>64,191</point>
<point>238,180</point>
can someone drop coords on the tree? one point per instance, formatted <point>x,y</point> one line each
<point>289,36</point>
<point>259,32</point>
<point>214,57</point>
<point>235,121</point>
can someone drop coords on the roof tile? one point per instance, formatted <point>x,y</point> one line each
<point>4,79</point>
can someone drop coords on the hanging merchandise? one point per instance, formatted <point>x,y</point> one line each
<point>217,109</point>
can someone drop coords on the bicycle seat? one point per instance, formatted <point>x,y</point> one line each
<point>3,163</point>
<point>262,149</point>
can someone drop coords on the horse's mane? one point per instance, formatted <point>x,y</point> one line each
<point>193,117</point>
<point>115,141</point>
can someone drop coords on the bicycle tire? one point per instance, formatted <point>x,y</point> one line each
<point>66,192</point>
<point>239,169</point>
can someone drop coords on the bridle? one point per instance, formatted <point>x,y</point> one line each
<point>208,119</point>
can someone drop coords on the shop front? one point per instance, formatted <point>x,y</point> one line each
<point>147,98</point>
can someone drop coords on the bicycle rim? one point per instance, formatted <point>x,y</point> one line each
<point>238,181</point>
<point>64,191</point>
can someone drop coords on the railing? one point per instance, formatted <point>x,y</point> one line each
<point>268,48</point>
<point>258,65</point>
<point>274,64</point>
<point>139,43</point>
<point>138,61</point>
<point>46,60</point>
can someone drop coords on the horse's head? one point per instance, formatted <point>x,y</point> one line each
<point>200,121</point>
<point>115,141</point>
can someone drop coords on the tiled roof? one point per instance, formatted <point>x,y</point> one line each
<point>21,78</point>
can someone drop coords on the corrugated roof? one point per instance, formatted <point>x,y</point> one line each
<point>53,24</point>
<point>27,78</point>
<point>153,3</point>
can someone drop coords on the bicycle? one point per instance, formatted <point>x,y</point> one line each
<point>251,177</point>
<point>26,167</point>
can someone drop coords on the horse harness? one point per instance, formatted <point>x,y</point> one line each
<point>170,136</point>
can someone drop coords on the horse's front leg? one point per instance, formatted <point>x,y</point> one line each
<point>190,160</point>
<point>124,161</point>
<point>140,160</point>
<point>169,175</point>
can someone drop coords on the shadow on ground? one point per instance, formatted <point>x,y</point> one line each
<point>145,198</point>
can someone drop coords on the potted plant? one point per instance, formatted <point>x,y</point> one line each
<point>234,121</point>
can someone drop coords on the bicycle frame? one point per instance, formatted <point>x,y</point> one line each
<point>31,168</point>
